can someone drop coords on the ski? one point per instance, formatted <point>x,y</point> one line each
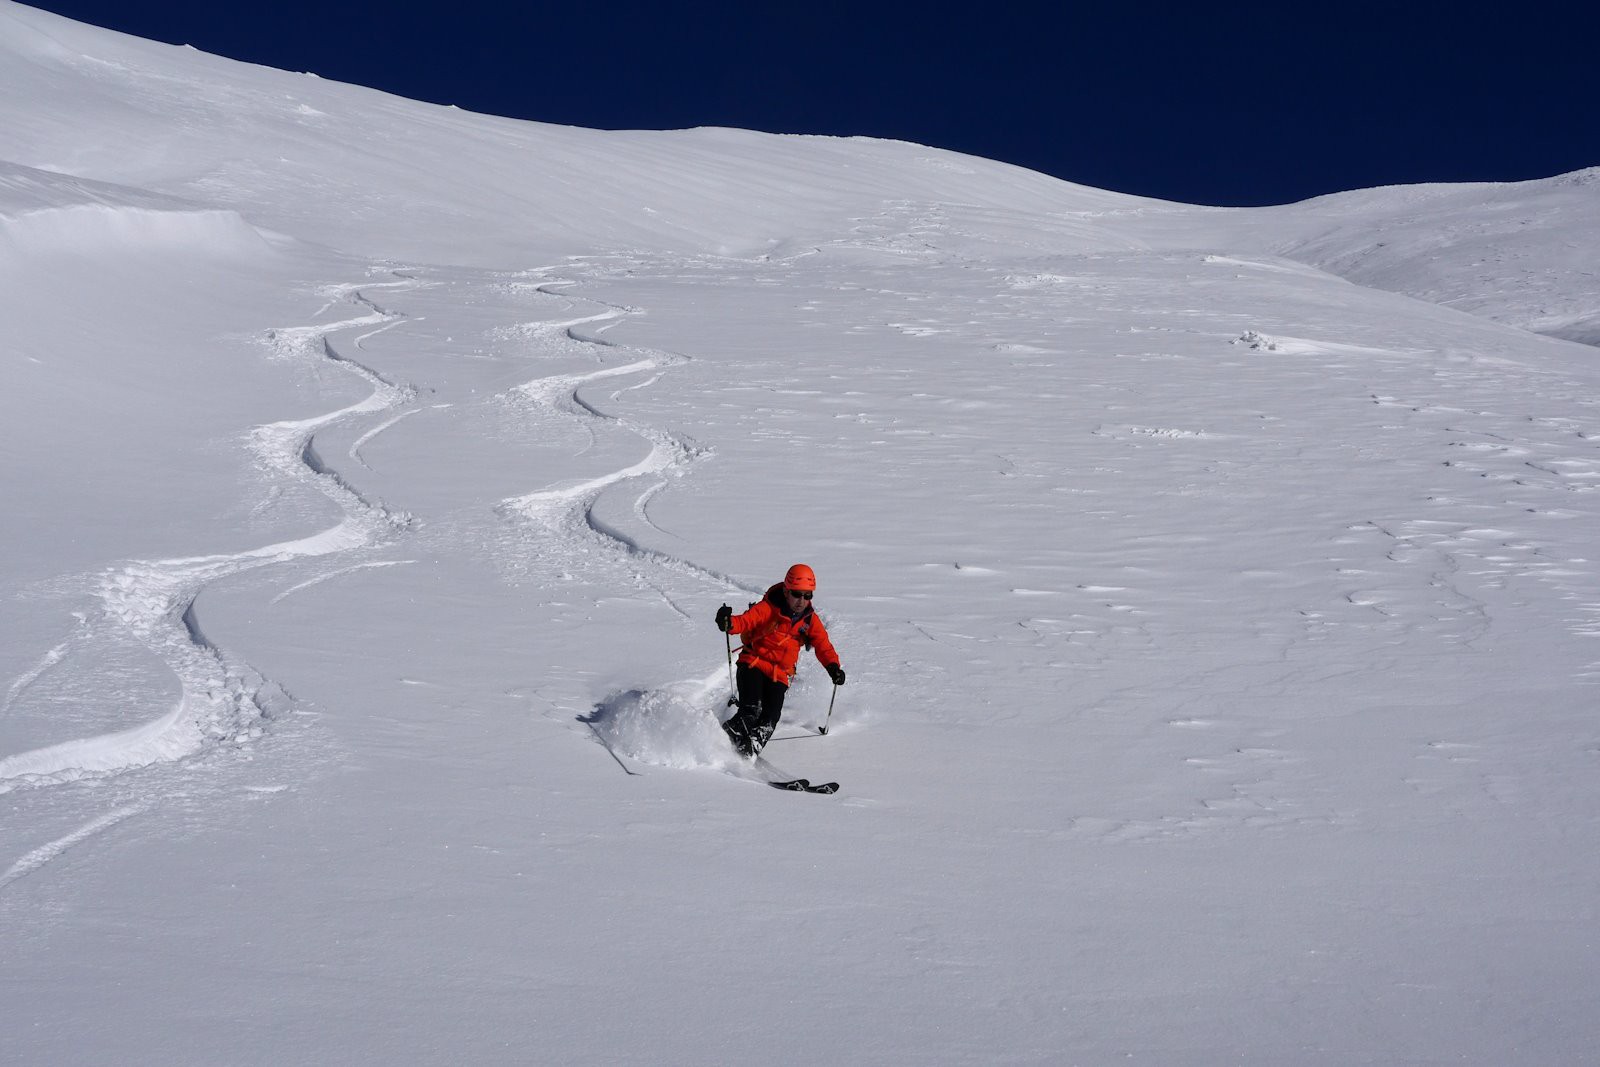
<point>771,775</point>
<point>779,780</point>
<point>800,785</point>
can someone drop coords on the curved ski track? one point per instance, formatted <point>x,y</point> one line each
<point>221,699</point>
<point>49,851</point>
<point>566,512</point>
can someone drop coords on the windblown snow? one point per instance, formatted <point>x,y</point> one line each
<point>1219,592</point>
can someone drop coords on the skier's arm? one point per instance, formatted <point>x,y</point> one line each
<point>822,646</point>
<point>758,614</point>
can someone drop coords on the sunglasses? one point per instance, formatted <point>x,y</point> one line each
<point>798,595</point>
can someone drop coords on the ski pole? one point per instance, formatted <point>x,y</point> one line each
<point>823,729</point>
<point>728,640</point>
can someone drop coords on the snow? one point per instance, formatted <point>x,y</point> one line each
<point>1520,253</point>
<point>1218,592</point>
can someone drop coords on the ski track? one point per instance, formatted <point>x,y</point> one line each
<point>566,513</point>
<point>641,508</point>
<point>33,674</point>
<point>42,855</point>
<point>221,699</point>
<point>360,442</point>
<point>341,572</point>
<point>566,517</point>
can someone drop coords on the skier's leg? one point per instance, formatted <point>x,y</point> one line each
<point>741,725</point>
<point>772,695</point>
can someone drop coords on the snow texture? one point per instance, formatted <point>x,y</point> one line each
<point>1219,592</point>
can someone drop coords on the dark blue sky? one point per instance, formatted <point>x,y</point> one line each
<point>1237,104</point>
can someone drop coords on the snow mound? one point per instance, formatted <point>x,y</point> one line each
<point>28,189</point>
<point>43,213</point>
<point>98,229</point>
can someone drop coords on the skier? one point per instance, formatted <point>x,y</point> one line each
<point>771,635</point>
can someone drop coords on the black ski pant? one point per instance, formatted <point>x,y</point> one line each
<point>760,706</point>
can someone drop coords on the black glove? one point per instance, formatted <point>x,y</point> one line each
<point>837,674</point>
<point>724,618</point>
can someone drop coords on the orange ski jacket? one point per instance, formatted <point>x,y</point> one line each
<point>771,638</point>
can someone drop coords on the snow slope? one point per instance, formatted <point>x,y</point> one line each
<point>1221,632</point>
<point>1521,253</point>
<point>285,148</point>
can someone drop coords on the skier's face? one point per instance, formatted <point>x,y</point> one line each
<point>797,599</point>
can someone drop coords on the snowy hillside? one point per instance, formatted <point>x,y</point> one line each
<point>1521,253</point>
<point>378,176</point>
<point>1220,620</point>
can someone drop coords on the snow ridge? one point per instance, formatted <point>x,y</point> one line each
<point>93,229</point>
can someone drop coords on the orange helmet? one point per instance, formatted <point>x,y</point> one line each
<point>800,577</point>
